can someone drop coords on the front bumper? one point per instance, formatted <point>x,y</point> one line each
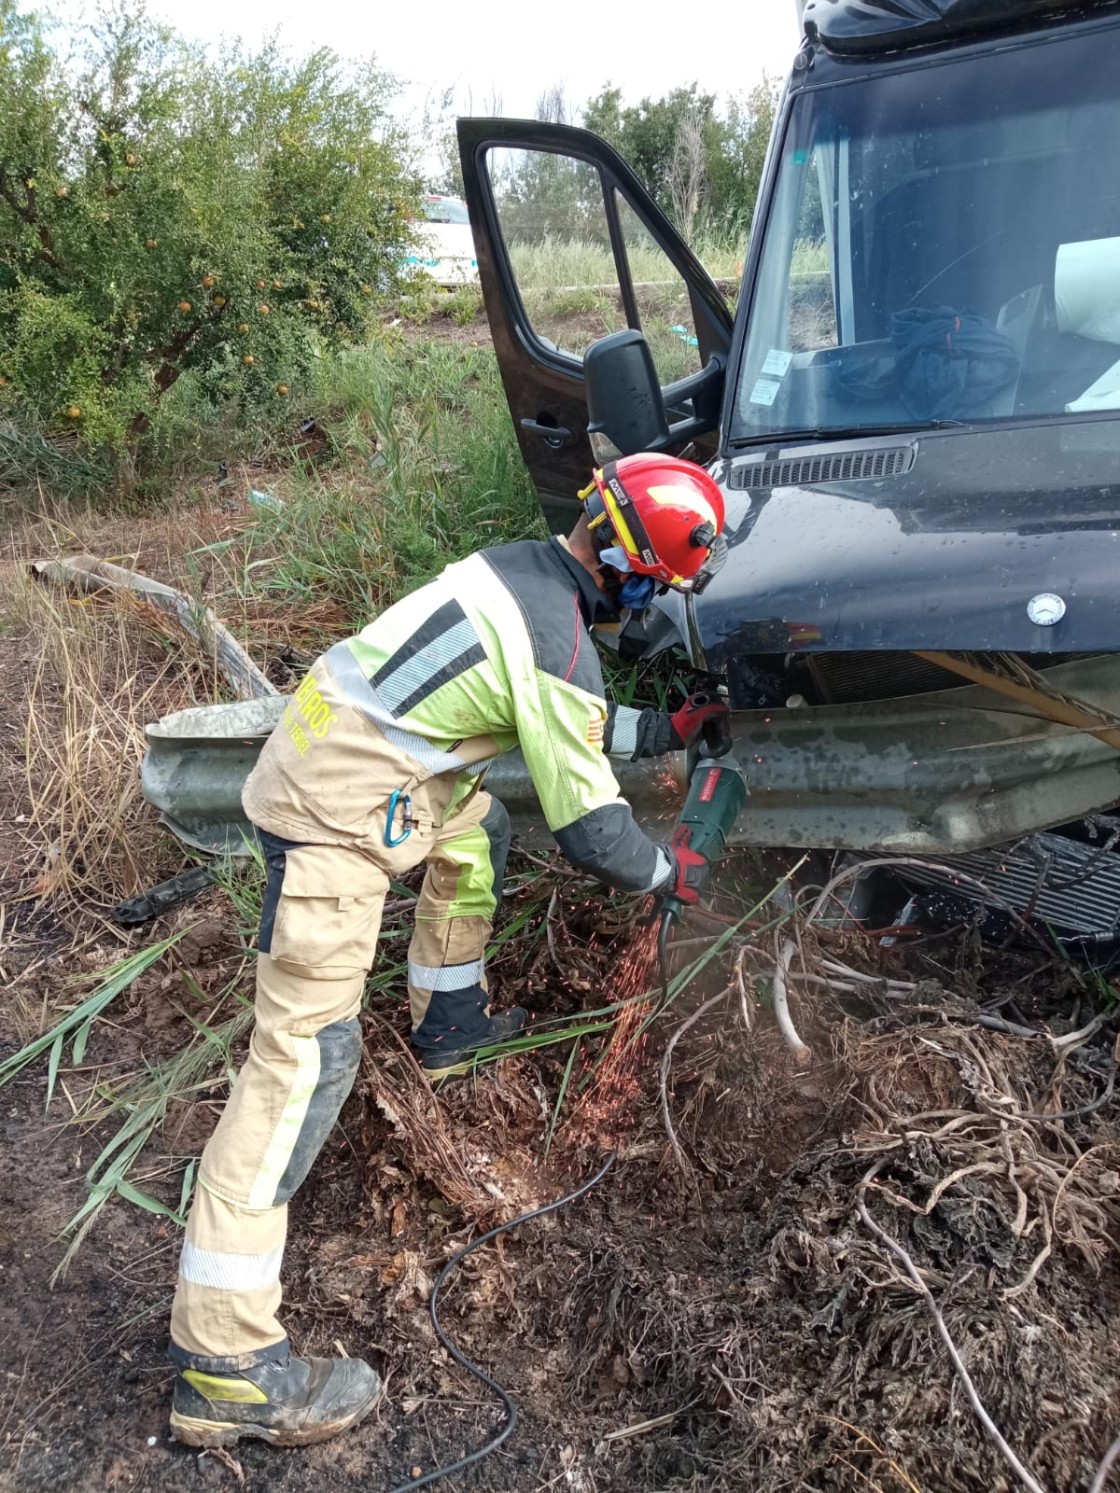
<point>932,774</point>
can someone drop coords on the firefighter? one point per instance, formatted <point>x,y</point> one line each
<point>375,767</point>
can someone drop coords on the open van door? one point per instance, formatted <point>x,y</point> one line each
<point>571,248</point>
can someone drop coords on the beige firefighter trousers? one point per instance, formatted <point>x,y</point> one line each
<point>320,924</point>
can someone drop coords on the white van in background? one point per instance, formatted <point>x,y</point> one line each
<point>448,254</point>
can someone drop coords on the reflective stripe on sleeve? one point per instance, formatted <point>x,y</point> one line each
<point>663,871</point>
<point>224,1272</point>
<point>444,658</point>
<point>624,737</point>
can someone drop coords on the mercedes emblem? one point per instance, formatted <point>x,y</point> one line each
<point>1045,609</point>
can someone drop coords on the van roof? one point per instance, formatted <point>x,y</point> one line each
<point>864,26</point>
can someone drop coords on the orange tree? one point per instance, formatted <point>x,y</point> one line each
<point>163,213</point>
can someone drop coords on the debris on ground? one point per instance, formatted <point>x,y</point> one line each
<point>862,1231</point>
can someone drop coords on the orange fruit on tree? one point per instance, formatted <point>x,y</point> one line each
<point>184,307</point>
<point>151,243</point>
<point>324,217</point>
<point>248,360</point>
<point>219,301</point>
<point>62,191</point>
<point>276,284</point>
<point>282,390</point>
<point>207,282</point>
<point>74,412</point>
<point>130,159</point>
<point>3,380</point>
<point>260,284</point>
<point>263,309</point>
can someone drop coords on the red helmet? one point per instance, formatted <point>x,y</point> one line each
<point>665,514</point>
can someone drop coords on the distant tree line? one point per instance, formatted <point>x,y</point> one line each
<point>701,163</point>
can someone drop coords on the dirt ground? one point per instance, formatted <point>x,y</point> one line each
<point>733,1307</point>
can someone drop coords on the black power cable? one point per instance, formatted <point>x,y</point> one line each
<point>462,1359</point>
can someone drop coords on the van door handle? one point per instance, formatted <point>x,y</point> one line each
<point>551,435</point>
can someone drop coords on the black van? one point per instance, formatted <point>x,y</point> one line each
<point>914,415</point>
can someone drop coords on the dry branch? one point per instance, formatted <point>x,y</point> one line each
<point>785,952</point>
<point>1106,1462</point>
<point>682,1160</point>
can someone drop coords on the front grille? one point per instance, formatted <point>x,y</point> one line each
<point>842,678</point>
<point>846,466</point>
<point>1064,884</point>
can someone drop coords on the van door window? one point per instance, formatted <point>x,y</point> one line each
<point>553,220</point>
<point>663,304</point>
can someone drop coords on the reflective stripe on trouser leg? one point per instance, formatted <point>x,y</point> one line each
<point>454,917</point>
<point>303,1056</point>
<point>228,1292</point>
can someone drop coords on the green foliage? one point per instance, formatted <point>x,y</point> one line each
<point>26,458</point>
<point>646,133</point>
<point>694,160</point>
<point>464,305</point>
<point>163,215</point>
<point>77,1022</point>
<point>658,683</point>
<point>735,170</point>
<point>426,471</point>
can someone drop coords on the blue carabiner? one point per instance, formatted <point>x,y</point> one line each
<point>398,796</point>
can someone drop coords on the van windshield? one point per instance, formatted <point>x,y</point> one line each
<point>943,243</point>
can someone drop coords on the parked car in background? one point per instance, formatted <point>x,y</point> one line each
<point>447,245</point>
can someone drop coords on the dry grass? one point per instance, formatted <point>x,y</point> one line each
<point>97,669</point>
<point>96,682</point>
<point>448,1137</point>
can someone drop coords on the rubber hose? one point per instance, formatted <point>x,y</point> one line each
<point>462,1359</point>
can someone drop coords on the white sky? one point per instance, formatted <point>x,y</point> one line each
<point>514,49</point>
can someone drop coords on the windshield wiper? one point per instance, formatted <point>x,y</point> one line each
<point>842,432</point>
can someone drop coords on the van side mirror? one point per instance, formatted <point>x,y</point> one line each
<point>627,409</point>
<point>626,412</point>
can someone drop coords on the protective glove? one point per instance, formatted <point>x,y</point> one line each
<point>703,714</point>
<point>690,871</point>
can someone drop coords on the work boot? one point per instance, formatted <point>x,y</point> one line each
<point>287,1401</point>
<point>446,1058</point>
